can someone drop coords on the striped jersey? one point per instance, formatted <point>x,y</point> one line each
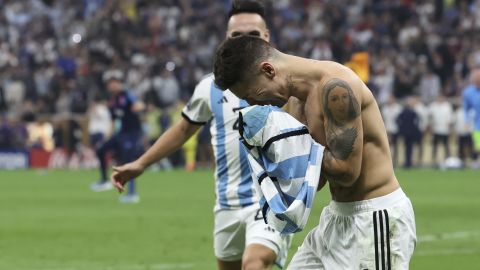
<point>286,164</point>
<point>233,182</point>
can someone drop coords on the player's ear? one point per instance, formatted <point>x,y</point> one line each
<point>267,69</point>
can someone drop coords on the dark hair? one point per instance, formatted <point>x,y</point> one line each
<point>247,6</point>
<point>235,58</point>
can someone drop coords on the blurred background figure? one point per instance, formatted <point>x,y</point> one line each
<point>409,129</point>
<point>40,135</point>
<point>471,103</point>
<point>441,117</point>
<point>99,122</point>
<point>127,134</point>
<point>463,131</point>
<point>423,118</point>
<point>153,128</point>
<point>429,87</point>
<point>390,112</point>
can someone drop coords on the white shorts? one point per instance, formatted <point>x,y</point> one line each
<point>372,234</point>
<point>236,229</point>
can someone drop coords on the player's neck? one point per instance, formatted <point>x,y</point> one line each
<point>302,75</point>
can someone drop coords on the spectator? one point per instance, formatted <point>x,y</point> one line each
<point>429,87</point>
<point>408,126</point>
<point>404,79</point>
<point>423,118</point>
<point>390,113</point>
<point>166,86</point>
<point>3,101</point>
<point>464,135</point>
<point>441,114</point>
<point>99,123</point>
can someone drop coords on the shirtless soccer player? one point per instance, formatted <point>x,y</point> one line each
<point>241,238</point>
<point>369,224</point>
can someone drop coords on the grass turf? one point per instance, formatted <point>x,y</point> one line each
<point>51,220</point>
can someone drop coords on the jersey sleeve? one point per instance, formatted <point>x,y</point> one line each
<point>198,110</point>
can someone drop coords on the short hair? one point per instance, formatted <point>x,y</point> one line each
<point>247,6</point>
<point>235,58</point>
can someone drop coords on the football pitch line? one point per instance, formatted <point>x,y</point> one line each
<point>448,236</point>
<point>450,251</point>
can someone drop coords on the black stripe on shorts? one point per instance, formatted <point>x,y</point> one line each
<point>378,228</point>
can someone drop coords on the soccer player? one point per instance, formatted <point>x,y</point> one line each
<point>127,143</point>
<point>471,103</point>
<point>242,240</point>
<point>370,221</point>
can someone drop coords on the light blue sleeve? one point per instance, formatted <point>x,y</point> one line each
<point>467,104</point>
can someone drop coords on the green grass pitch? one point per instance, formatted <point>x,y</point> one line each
<point>52,221</point>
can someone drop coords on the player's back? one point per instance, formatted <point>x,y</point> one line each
<point>234,186</point>
<point>121,108</point>
<point>376,176</point>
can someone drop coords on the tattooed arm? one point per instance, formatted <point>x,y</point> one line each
<point>343,132</point>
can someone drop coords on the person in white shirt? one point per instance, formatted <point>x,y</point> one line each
<point>441,116</point>
<point>423,114</point>
<point>464,134</point>
<point>99,123</point>
<point>390,112</point>
<point>430,86</point>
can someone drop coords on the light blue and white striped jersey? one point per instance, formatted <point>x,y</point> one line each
<point>234,185</point>
<point>286,164</point>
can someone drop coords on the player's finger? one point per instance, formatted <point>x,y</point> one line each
<point>117,183</point>
<point>119,187</point>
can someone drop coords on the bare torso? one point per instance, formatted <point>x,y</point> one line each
<point>376,176</point>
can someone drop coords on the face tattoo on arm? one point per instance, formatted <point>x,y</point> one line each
<point>341,109</point>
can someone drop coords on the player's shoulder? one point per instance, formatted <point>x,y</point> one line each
<point>206,81</point>
<point>206,85</point>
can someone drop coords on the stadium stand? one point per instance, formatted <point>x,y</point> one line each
<point>53,55</point>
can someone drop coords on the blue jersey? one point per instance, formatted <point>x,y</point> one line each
<point>234,186</point>
<point>471,102</point>
<point>120,107</point>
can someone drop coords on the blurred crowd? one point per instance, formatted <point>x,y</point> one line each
<point>53,54</point>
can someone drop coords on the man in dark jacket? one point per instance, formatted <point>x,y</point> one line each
<point>409,130</point>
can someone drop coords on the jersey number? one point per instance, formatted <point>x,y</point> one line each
<point>236,124</point>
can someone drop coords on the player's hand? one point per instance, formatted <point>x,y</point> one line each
<point>122,174</point>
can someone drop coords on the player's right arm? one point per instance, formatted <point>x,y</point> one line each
<point>168,143</point>
<point>195,114</point>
